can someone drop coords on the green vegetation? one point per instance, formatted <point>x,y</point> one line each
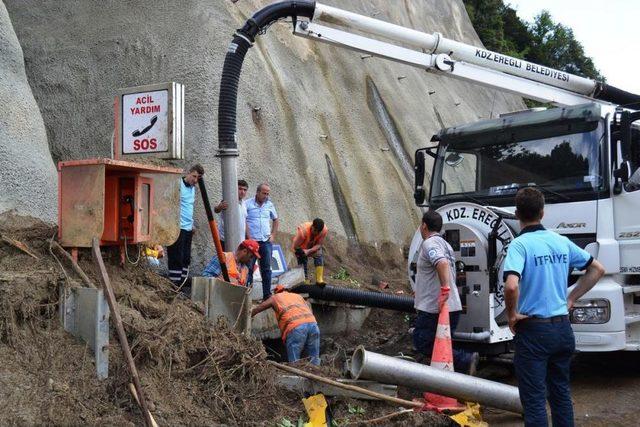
<point>344,275</point>
<point>356,410</point>
<point>542,41</point>
<point>286,422</point>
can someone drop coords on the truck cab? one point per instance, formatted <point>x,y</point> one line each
<point>585,160</point>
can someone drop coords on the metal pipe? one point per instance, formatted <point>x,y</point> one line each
<point>436,43</point>
<point>390,370</point>
<point>472,336</point>
<point>232,237</point>
<point>227,138</point>
<point>351,20</point>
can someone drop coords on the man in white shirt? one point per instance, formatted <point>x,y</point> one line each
<point>243,187</point>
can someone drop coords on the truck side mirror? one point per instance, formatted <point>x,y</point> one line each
<point>419,193</point>
<point>623,172</point>
<point>621,175</point>
<point>623,137</point>
<point>454,159</point>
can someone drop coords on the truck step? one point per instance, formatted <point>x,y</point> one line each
<point>631,318</point>
<point>632,346</point>
<point>631,289</point>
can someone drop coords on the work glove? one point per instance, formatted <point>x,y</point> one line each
<point>444,296</point>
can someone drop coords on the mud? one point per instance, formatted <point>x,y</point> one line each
<point>191,373</point>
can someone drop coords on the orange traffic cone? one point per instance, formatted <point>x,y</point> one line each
<point>442,357</point>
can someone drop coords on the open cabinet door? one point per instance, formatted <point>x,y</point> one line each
<point>144,207</point>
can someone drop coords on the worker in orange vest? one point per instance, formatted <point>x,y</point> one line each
<point>297,324</point>
<point>237,263</point>
<point>308,243</point>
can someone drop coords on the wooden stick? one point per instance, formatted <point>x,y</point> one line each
<point>357,389</point>
<point>132,389</point>
<point>122,337</point>
<point>18,245</point>
<point>74,264</point>
<point>382,418</point>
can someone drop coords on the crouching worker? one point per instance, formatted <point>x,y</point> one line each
<point>308,243</point>
<point>297,324</point>
<point>237,263</point>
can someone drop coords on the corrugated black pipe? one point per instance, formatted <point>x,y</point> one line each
<point>358,297</point>
<point>242,41</point>
<point>612,94</point>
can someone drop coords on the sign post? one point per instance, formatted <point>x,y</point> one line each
<point>149,121</point>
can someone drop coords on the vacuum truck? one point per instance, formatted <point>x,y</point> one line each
<point>583,153</point>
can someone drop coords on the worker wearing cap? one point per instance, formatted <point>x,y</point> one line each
<point>237,263</point>
<point>297,324</point>
<point>308,243</point>
<point>536,272</point>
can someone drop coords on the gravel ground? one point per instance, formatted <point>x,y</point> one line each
<point>605,391</point>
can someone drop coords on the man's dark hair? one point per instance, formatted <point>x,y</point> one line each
<point>433,220</point>
<point>318,224</point>
<point>197,168</point>
<point>529,204</point>
<point>243,183</point>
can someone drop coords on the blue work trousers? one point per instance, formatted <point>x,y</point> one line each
<point>303,260</point>
<point>304,338</point>
<point>265,268</point>
<point>542,361</point>
<point>424,335</point>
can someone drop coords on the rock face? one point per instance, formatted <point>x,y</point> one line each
<point>306,111</point>
<point>28,181</point>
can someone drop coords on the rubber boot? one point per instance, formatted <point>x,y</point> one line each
<point>320,275</point>
<point>307,279</point>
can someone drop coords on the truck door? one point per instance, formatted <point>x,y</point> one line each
<point>626,201</point>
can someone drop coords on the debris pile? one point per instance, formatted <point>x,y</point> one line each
<point>191,373</point>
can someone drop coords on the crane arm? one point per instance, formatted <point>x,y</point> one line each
<point>441,64</point>
<point>499,68</point>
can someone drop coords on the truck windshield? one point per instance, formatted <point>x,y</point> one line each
<point>559,166</point>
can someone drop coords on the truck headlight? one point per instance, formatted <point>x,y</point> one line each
<point>591,311</point>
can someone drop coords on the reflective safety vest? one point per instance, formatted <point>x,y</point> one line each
<point>302,239</point>
<point>236,277</point>
<point>291,312</point>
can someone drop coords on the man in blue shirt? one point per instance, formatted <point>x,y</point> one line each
<point>536,272</point>
<point>260,214</point>
<point>179,253</point>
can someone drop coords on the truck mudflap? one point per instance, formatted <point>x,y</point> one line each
<point>611,332</point>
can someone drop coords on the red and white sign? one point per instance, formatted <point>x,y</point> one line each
<point>150,122</point>
<point>145,122</point>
